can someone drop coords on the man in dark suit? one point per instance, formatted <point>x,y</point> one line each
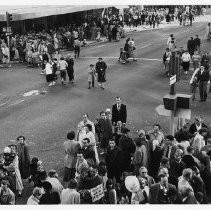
<point>196,126</point>
<point>162,192</point>
<point>119,112</point>
<point>203,78</point>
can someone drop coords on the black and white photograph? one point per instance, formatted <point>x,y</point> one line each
<point>105,104</point>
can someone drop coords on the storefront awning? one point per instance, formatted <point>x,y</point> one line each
<point>31,11</point>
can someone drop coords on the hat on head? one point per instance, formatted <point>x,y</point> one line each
<point>100,58</point>
<point>91,64</point>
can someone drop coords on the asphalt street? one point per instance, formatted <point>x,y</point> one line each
<point>44,119</point>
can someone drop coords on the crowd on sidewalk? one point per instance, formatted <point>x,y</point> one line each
<point>192,55</point>
<point>104,164</point>
<point>30,47</point>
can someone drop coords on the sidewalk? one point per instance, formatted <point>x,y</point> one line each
<point>163,24</point>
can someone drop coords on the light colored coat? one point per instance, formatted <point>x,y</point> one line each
<point>71,148</point>
<point>70,196</point>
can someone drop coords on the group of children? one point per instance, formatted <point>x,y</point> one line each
<point>65,66</point>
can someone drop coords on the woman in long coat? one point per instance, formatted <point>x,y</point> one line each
<point>24,158</point>
<point>101,72</point>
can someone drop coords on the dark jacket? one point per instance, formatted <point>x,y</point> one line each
<point>199,187</point>
<point>128,147</point>
<point>197,42</point>
<point>88,153</point>
<point>203,77</point>
<point>176,168</point>
<point>193,129</point>
<point>104,129</point>
<point>120,115</point>
<point>191,46</point>
<point>189,161</point>
<point>155,194</point>
<point>112,159</point>
<point>50,198</point>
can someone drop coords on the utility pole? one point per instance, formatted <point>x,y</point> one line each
<point>172,91</point>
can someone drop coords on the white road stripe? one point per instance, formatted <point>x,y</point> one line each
<point>3,104</point>
<point>144,46</point>
<point>17,102</point>
<point>147,59</point>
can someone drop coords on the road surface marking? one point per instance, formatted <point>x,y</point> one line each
<point>30,93</point>
<point>3,104</point>
<point>145,46</point>
<point>17,102</point>
<point>147,59</point>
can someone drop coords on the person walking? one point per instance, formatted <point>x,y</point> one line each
<point>101,72</point>
<point>77,47</point>
<point>191,46</point>
<point>196,60</point>
<point>71,148</point>
<point>193,83</point>
<point>62,67</point>
<point>205,60</point>
<point>197,41</point>
<point>208,32</point>
<point>91,76</point>
<point>166,60</point>
<point>49,73</point>
<point>70,68</point>
<point>186,61</point>
<point>202,79</point>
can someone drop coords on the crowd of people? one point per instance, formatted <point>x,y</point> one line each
<point>200,61</point>
<point>104,164</point>
<point>154,16</point>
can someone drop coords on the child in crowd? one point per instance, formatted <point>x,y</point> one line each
<point>91,76</point>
